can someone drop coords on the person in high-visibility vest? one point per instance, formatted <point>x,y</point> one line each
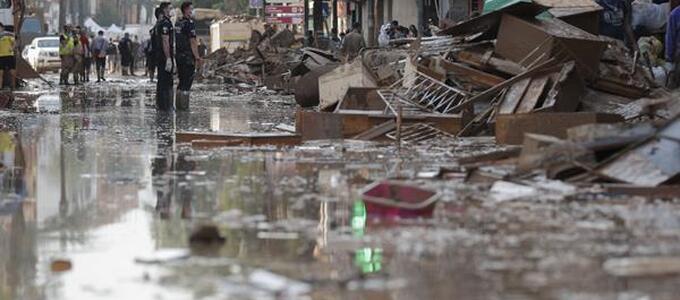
<point>66,46</point>
<point>8,61</point>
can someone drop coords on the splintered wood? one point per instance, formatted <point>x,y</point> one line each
<point>544,92</point>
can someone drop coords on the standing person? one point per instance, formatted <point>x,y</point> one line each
<point>334,40</point>
<point>112,56</point>
<point>153,45</point>
<point>352,44</point>
<point>77,59</point>
<point>432,28</point>
<point>99,48</point>
<point>66,54</point>
<point>188,57</point>
<point>87,56</point>
<point>134,48</point>
<point>7,59</point>
<point>164,55</point>
<point>125,50</point>
<point>311,41</point>
<point>413,30</point>
<point>616,21</point>
<point>673,45</point>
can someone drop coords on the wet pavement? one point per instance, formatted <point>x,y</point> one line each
<point>92,176</point>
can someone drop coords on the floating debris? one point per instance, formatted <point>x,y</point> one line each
<point>61,265</point>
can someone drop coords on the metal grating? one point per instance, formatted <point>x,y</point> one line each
<point>422,93</point>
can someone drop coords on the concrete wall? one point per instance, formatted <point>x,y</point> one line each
<point>404,11</point>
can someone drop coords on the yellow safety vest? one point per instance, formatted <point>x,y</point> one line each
<point>6,45</point>
<point>66,49</point>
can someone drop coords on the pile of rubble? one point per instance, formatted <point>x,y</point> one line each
<point>259,61</point>
<point>573,99</point>
<point>583,107</point>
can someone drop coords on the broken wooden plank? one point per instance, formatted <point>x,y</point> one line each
<point>490,62</point>
<point>470,74</point>
<point>361,98</point>
<point>567,91</point>
<point>566,42</point>
<point>321,125</point>
<point>250,139</point>
<point>542,69</point>
<point>532,95</point>
<point>510,129</point>
<point>286,128</point>
<point>377,131</point>
<point>619,88</point>
<point>663,191</point>
<point>553,155</point>
<point>491,156</point>
<point>334,85</point>
<point>209,144</point>
<point>513,97</point>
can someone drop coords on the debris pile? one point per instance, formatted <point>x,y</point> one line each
<point>574,101</point>
<point>263,59</point>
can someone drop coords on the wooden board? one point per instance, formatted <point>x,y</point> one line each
<point>532,95</point>
<point>492,63</point>
<point>334,85</point>
<point>377,131</point>
<point>470,74</point>
<point>513,97</point>
<point>510,129</point>
<point>313,125</point>
<point>249,139</point>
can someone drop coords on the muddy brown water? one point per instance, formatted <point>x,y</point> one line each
<point>93,176</point>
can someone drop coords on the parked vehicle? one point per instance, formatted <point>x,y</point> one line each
<point>43,54</point>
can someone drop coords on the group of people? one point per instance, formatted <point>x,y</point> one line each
<point>348,44</point>
<point>633,21</point>
<point>171,49</point>
<point>174,49</point>
<point>75,54</point>
<point>78,52</point>
<point>393,31</point>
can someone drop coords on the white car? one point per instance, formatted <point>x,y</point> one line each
<point>43,54</point>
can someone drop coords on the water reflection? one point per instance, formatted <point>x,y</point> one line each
<point>17,224</point>
<point>176,189</point>
<point>368,260</point>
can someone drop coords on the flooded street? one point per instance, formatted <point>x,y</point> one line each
<point>92,177</point>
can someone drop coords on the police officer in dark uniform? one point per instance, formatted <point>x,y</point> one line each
<point>188,57</point>
<point>153,45</point>
<point>164,55</point>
